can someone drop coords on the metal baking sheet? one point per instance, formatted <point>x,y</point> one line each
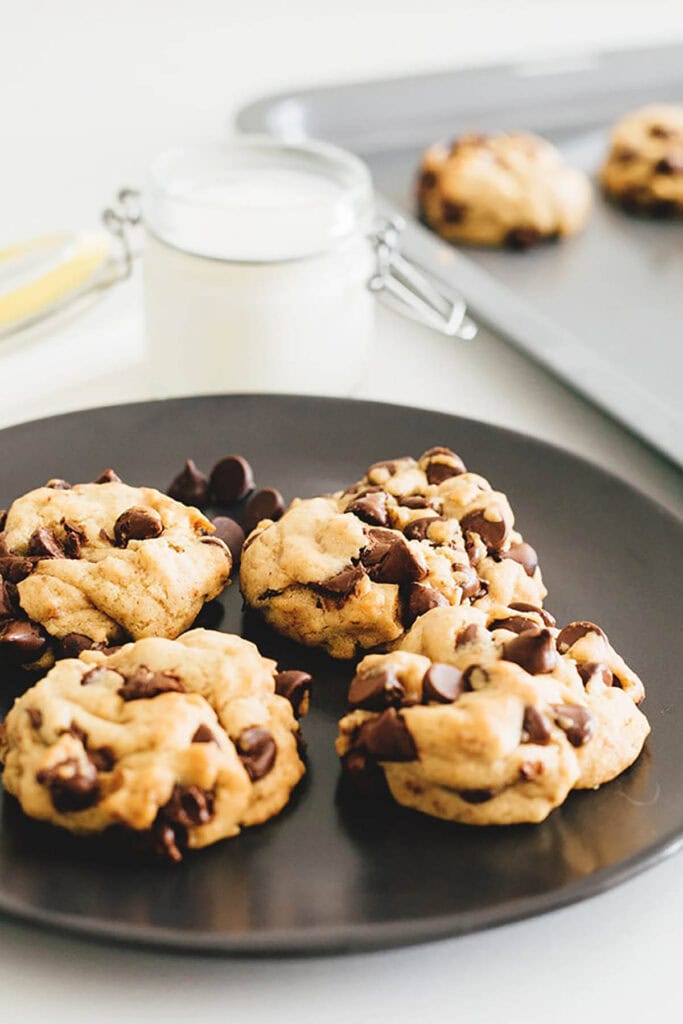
<point>603,311</point>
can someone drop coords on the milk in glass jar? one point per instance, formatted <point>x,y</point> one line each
<point>256,268</point>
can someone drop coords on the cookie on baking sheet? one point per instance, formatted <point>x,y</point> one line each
<point>101,563</point>
<point>512,190</point>
<point>643,170</point>
<point>491,718</point>
<point>351,571</point>
<point>185,740</point>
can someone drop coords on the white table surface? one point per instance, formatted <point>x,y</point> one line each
<point>91,92</point>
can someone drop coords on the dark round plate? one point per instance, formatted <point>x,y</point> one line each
<point>330,874</point>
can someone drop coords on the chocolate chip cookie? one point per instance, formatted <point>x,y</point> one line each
<point>183,741</point>
<point>100,563</point>
<point>643,171</point>
<point>353,570</point>
<point>512,190</point>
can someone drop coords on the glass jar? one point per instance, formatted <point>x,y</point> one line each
<point>256,267</point>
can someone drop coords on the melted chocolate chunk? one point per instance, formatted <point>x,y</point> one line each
<point>74,539</point>
<point>534,650</point>
<point>203,734</point>
<point>9,601</point>
<point>231,479</point>
<point>72,786</point>
<point>452,212</point>
<point>475,677</point>
<point>56,484</point>
<point>168,841</point>
<point>595,670</point>
<point>421,598</point>
<point>137,523</point>
<point>267,503</point>
<point>145,684</point>
<point>492,532</point>
<point>103,759</point>
<point>418,529</point>
<point>467,636</point>
<point>416,501</point>
<point>568,636</point>
<point>109,477</point>
<point>189,806</point>
<point>660,131</point>
<point>341,585</point>
<point>71,645</point>
<point>388,559</point>
<point>191,486</point>
<point>21,642</point>
<point>295,686</point>
<point>364,774</point>
<point>672,164</point>
<point>438,471</point>
<point>624,155</point>
<point>522,606</point>
<point>515,623</point>
<point>376,690</point>
<point>232,535</point>
<point>387,738</point>
<point>428,179</point>
<point>535,727</point>
<point>576,722</point>
<point>43,544</point>
<point>14,568</point>
<point>77,732</point>
<point>35,717</point>
<point>371,508</point>
<point>391,465</point>
<point>442,683</point>
<point>476,796</point>
<point>257,751</point>
<point>524,554</point>
<point>522,238</point>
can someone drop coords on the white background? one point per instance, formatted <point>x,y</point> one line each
<point>91,91</point>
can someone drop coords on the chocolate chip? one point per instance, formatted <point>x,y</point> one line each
<point>71,645</point>
<point>428,179</point>
<point>137,523</point>
<point>21,642</point>
<point>203,734</point>
<point>469,582</point>
<point>421,599</point>
<point>257,751</point>
<point>524,554</point>
<point>568,636</point>
<point>623,155</point>
<point>533,650</point>
<point>232,535</point>
<point>452,212</point>
<point>590,670</point>
<point>391,466</point>
<point>389,559</point>
<point>387,738</point>
<point>418,529</point>
<point>35,717</point>
<point>476,796</point>
<point>74,538</point>
<point>231,479</point>
<point>522,238</point>
<point>342,584</point>
<point>77,732</point>
<point>189,806</point>
<point>58,485</point>
<point>522,606</point>
<point>535,726</point>
<point>9,602</point>
<point>438,471</point>
<point>576,722</point>
<point>72,786</point>
<point>265,504</point>
<point>364,774</point>
<point>103,758</point>
<point>467,636</point>
<point>94,674</point>
<point>416,501</point>
<point>145,684</point>
<point>168,841</point>
<point>492,532</point>
<point>672,164</point>
<point>43,544</point>
<point>514,623</point>
<point>376,689</point>
<point>295,686</point>
<point>442,683</point>
<point>660,131</point>
<point>108,477</point>
<point>371,508</point>
<point>191,486</point>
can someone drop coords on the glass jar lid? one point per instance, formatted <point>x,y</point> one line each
<point>257,199</point>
